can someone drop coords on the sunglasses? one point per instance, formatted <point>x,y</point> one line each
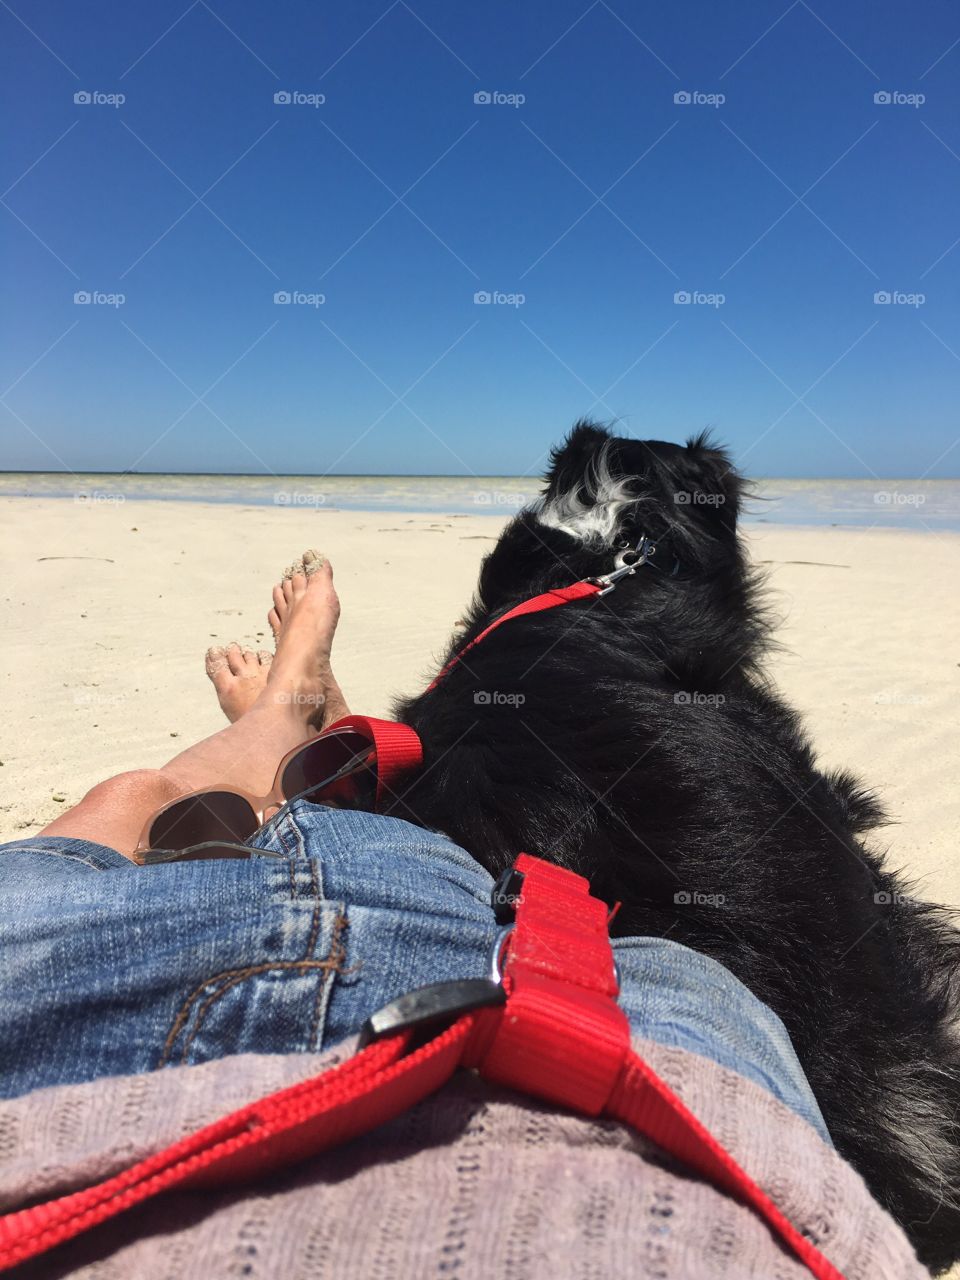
<point>339,768</point>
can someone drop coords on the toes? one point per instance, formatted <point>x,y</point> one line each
<point>265,657</point>
<point>215,661</point>
<point>292,585</point>
<point>250,660</point>
<point>234,656</point>
<point>313,562</point>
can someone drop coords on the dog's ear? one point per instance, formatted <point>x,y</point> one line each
<point>571,460</point>
<point>708,485</point>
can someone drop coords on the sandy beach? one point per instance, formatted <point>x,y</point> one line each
<point>108,609</point>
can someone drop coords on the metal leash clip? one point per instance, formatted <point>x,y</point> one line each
<point>628,561</point>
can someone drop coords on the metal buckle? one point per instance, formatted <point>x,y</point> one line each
<point>628,561</point>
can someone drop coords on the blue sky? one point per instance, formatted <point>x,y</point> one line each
<point>781,199</point>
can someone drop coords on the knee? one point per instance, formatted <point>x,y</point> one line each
<point>143,789</point>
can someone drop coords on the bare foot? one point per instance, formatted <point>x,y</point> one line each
<point>239,677</point>
<point>304,619</point>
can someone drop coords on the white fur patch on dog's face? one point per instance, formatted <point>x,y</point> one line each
<point>590,511</point>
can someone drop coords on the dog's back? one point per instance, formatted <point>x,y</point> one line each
<point>631,737</point>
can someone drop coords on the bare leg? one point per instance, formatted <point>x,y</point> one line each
<point>298,694</point>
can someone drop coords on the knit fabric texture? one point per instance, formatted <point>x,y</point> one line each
<point>474,1182</point>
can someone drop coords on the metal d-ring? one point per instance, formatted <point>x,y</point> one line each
<point>496,953</point>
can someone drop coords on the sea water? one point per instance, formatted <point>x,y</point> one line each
<point>931,505</point>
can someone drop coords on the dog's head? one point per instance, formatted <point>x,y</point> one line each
<point>602,494</point>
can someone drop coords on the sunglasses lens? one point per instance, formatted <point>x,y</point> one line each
<point>321,761</point>
<point>214,815</point>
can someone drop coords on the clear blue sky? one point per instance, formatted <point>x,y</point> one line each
<point>598,199</point>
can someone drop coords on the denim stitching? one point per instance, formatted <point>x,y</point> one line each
<point>315,922</point>
<point>231,978</point>
<point>338,951</point>
<point>60,853</point>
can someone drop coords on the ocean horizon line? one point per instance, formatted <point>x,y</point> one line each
<point>903,503</point>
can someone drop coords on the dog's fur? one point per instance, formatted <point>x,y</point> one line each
<point>605,769</point>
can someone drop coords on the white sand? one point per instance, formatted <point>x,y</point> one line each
<point>107,611</point>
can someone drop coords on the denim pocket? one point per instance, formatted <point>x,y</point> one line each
<point>111,974</point>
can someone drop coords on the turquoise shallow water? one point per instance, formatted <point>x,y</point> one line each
<point>904,504</point>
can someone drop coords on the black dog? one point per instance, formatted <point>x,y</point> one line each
<point>633,739</point>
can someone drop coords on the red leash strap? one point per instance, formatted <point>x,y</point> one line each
<point>537,604</point>
<point>560,1036</point>
<point>398,748</point>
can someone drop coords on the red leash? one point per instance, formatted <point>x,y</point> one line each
<point>536,604</point>
<point>627,563</point>
<point>553,1029</point>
